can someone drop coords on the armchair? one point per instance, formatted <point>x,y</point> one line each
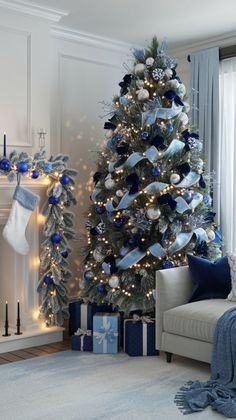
<point>185,328</point>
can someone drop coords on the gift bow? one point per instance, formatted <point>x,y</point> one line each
<point>145,319</point>
<point>105,333</point>
<point>80,331</point>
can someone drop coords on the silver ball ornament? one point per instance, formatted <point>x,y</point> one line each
<point>139,83</point>
<point>109,183</point>
<point>113,281</point>
<point>97,255</point>
<point>183,118</point>
<point>211,234</point>
<point>119,193</point>
<point>174,178</point>
<point>181,90</point>
<point>168,73</point>
<point>174,84</point>
<point>153,212</point>
<point>139,69</point>
<point>109,134</point>
<point>143,95</point>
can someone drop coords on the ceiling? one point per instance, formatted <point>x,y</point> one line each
<point>136,21</point>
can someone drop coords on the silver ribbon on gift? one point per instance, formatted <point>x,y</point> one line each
<point>105,333</point>
<point>82,333</point>
<point>145,320</point>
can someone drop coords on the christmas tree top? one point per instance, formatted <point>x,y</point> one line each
<point>151,204</point>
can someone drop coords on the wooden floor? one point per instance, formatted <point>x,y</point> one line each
<point>30,353</point>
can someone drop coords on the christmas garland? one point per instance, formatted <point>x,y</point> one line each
<point>57,230</point>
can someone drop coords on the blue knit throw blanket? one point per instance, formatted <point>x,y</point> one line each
<point>220,390</point>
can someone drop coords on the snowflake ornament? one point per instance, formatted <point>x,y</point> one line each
<point>158,74</point>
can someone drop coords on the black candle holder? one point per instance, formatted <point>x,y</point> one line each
<point>18,331</point>
<point>6,330</point>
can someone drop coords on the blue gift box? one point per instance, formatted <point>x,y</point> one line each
<point>105,332</point>
<point>81,315</point>
<point>139,338</point>
<point>82,342</point>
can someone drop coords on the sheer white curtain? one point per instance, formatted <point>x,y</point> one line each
<point>228,153</point>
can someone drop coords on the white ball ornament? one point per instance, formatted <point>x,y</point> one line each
<point>183,118</point>
<point>109,134</point>
<point>113,281</point>
<point>119,193</point>
<point>211,234</point>
<point>140,83</point>
<point>139,69</point>
<point>109,183</point>
<point>143,95</point>
<point>153,212</point>
<point>168,73</point>
<point>174,178</point>
<point>173,84</point>
<point>181,90</point>
<point>150,61</point>
<point>186,107</point>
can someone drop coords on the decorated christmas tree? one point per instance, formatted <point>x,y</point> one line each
<point>151,203</point>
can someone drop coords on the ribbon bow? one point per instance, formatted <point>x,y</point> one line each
<point>124,85</point>
<point>145,319</point>
<point>80,331</point>
<point>167,199</point>
<point>111,123</point>
<point>172,96</point>
<point>105,333</point>
<point>133,180</point>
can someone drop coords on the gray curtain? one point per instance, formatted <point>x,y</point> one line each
<point>205,109</point>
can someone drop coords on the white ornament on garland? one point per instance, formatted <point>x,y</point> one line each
<point>174,178</point>
<point>183,118</point>
<point>153,212</point>
<point>168,73</point>
<point>113,281</point>
<point>119,193</point>
<point>150,61</point>
<point>109,134</point>
<point>139,69</point>
<point>173,84</point>
<point>139,83</point>
<point>211,234</point>
<point>109,183</point>
<point>181,90</point>
<point>98,255</point>
<point>143,95</point>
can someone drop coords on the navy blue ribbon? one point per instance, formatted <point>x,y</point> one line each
<point>124,85</point>
<point>167,199</point>
<point>134,181</point>
<point>172,96</point>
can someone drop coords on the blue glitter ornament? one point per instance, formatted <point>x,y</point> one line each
<point>56,238</point>
<point>168,264</point>
<point>35,174</point>
<point>100,288</point>
<point>5,165</point>
<point>64,253</point>
<point>88,275</point>
<point>155,171</point>
<point>47,168</point>
<point>144,136</point>
<point>100,209</point>
<point>22,167</point>
<point>48,280</point>
<point>54,200</point>
<point>64,179</point>
<point>120,221</point>
<point>188,195</point>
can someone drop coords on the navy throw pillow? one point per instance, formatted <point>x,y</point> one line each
<point>211,280</point>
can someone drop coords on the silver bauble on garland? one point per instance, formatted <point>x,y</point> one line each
<point>174,178</point>
<point>113,281</point>
<point>143,95</point>
<point>139,69</point>
<point>153,212</point>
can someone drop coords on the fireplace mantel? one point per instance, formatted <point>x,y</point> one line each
<point>19,274</point>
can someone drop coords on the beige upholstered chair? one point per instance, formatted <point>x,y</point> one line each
<point>184,328</point>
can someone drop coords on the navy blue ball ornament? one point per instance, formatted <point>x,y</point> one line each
<point>64,253</point>
<point>64,179</point>
<point>168,264</point>
<point>144,136</point>
<point>100,209</point>
<point>155,171</point>
<point>88,275</point>
<point>34,174</point>
<point>120,221</point>
<point>100,288</point>
<point>56,238</point>
<point>48,280</point>
<point>48,168</point>
<point>188,195</point>
<point>54,200</point>
<point>22,167</point>
<point>5,165</point>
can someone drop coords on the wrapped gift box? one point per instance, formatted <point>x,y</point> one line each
<point>106,332</point>
<point>82,341</point>
<point>139,338</point>
<point>81,315</point>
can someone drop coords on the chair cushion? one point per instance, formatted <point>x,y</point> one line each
<point>197,319</point>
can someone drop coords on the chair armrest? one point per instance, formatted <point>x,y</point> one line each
<point>173,288</point>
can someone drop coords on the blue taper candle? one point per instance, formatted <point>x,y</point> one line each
<point>4,145</point>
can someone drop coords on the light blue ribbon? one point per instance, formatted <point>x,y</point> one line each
<point>189,180</point>
<point>157,250</point>
<point>124,203</point>
<point>197,199</point>
<point>176,146</point>
<point>155,187</point>
<point>131,258</point>
<point>184,238</point>
<point>182,206</point>
<point>149,117</point>
<point>151,154</point>
<point>95,193</point>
